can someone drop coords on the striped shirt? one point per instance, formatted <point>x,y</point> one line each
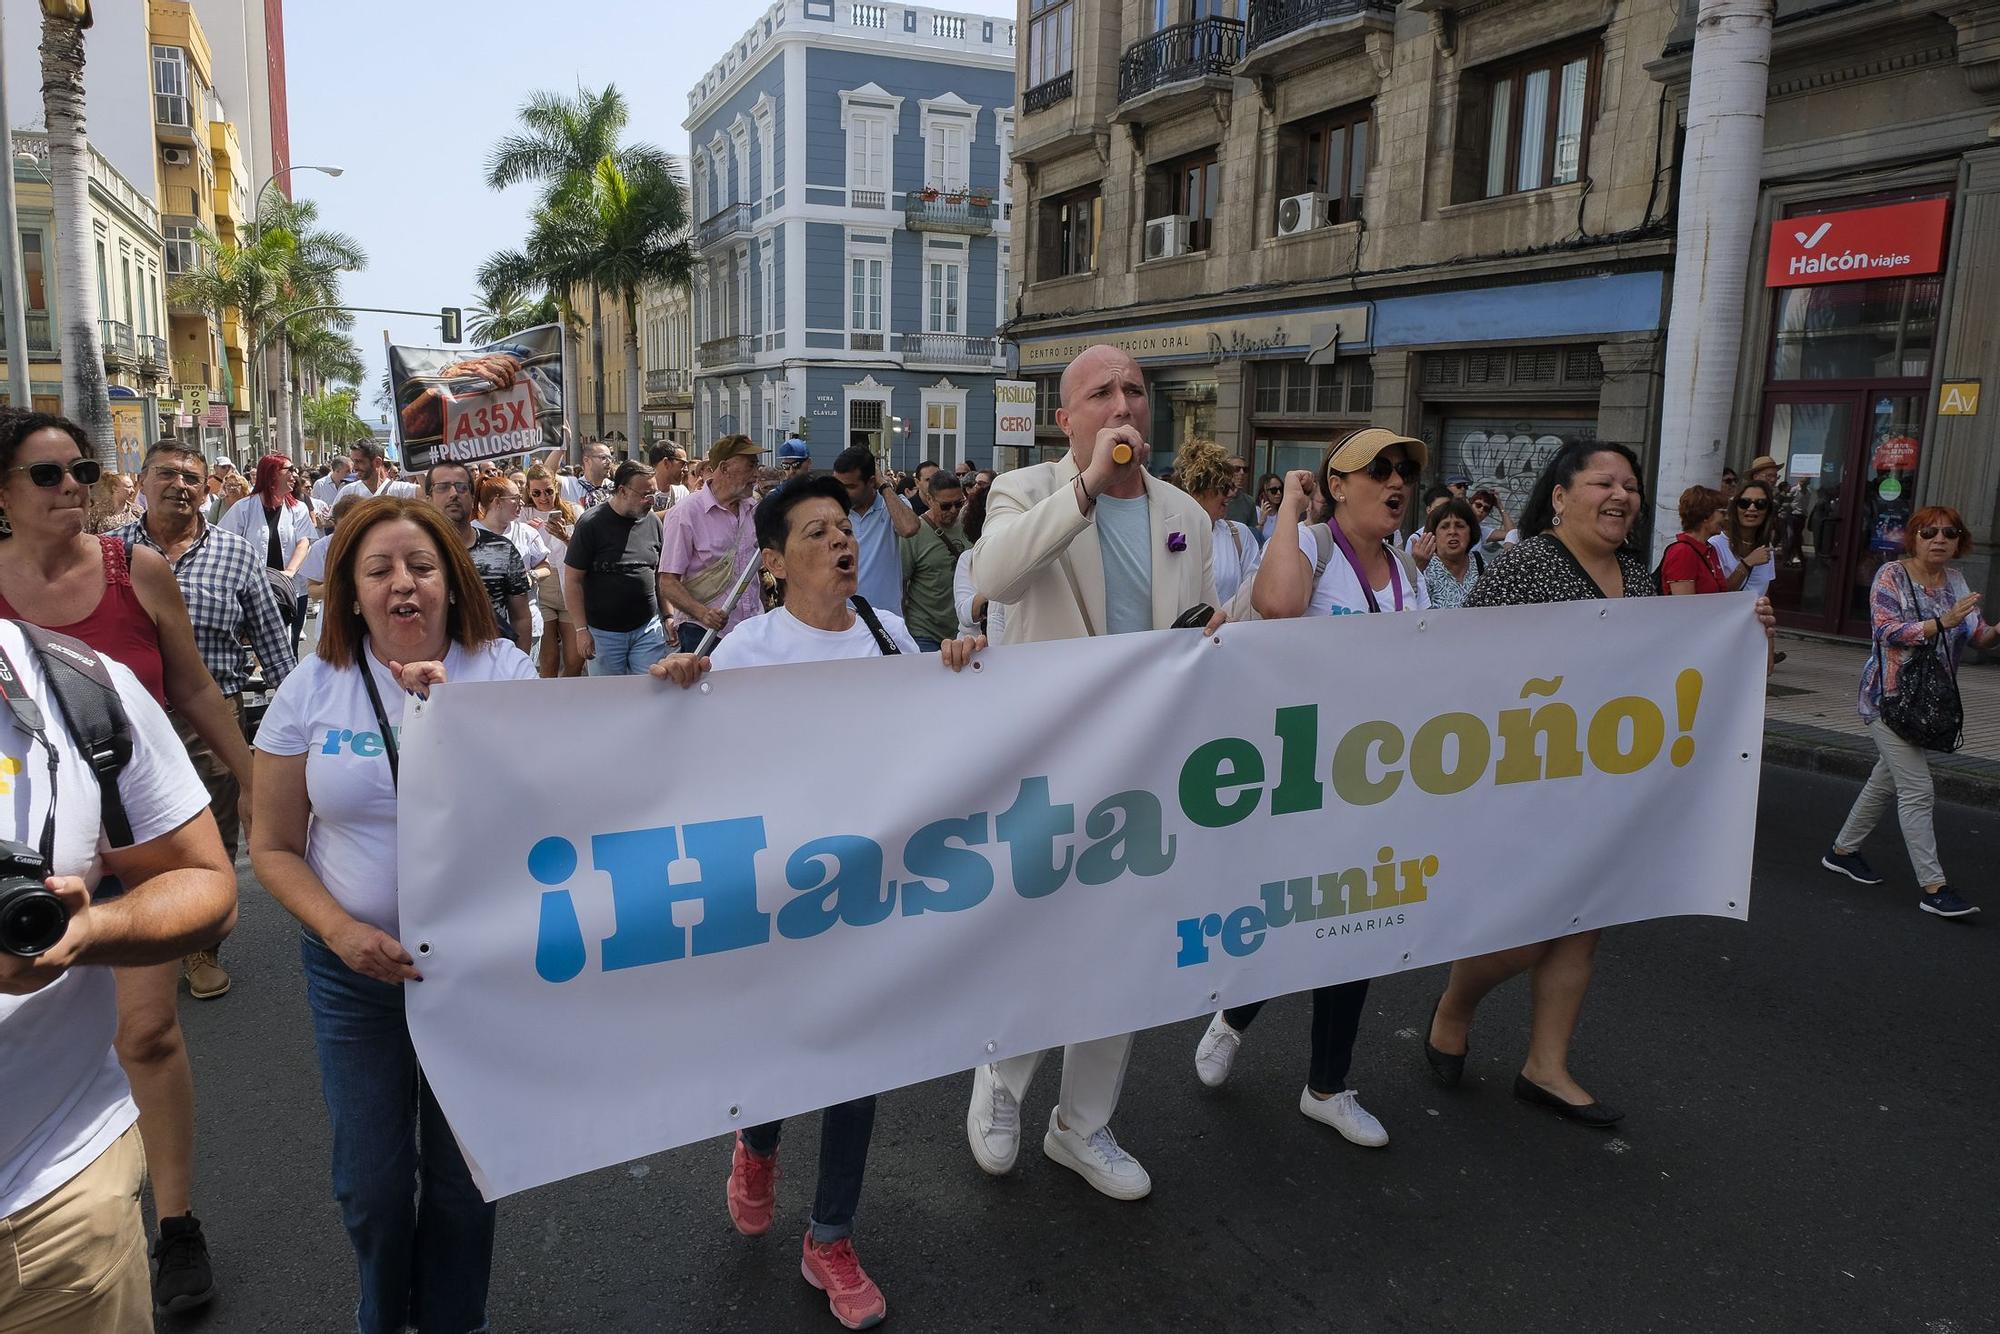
<point>223,582</point>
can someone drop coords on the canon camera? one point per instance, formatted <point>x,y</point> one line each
<point>32,919</point>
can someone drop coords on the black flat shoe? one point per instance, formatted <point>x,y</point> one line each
<point>1449,1069</point>
<point>1596,1115</point>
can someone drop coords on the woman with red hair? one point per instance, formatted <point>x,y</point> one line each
<point>274,521</point>
<point>1920,605</point>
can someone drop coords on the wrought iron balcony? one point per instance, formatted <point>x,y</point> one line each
<point>937,349</point>
<point>1288,33</point>
<point>733,220</point>
<point>120,348</point>
<point>1045,95</point>
<point>41,336</point>
<point>668,382</point>
<point>153,355</point>
<point>728,350</point>
<point>966,212</point>
<point>1205,48</point>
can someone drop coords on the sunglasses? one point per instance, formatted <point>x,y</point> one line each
<point>1274,490</point>
<point>1949,534</point>
<point>1753,504</point>
<point>947,505</point>
<point>1380,469</point>
<point>86,471</point>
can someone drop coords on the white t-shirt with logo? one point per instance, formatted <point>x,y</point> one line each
<point>779,637</point>
<point>326,717</point>
<point>63,1096</point>
<point>1338,591</point>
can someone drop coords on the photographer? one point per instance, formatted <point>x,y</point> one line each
<point>72,1245</point>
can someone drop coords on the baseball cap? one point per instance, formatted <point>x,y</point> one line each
<point>1359,449</point>
<point>729,447</point>
<point>794,451</point>
<point>1765,461</point>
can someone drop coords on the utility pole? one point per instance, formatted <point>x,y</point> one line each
<point>13,281</point>
<point>1720,170</point>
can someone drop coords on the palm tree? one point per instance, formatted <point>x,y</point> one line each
<point>513,271</point>
<point>503,312</point>
<point>331,421</point>
<point>626,230</point>
<point>561,142</point>
<point>314,260</point>
<point>323,354</point>
<point>86,396</point>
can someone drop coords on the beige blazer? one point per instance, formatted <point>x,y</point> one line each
<point>1034,529</point>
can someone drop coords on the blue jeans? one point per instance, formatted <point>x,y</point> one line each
<point>422,1235</point>
<point>926,645</point>
<point>627,652</point>
<point>688,636</point>
<point>844,1132</point>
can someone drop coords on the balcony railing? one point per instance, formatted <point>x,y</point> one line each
<point>733,220</point>
<point>1201,49</point>
<point>728,350</point>
<point>868,199</point>
<point>939,349</point>
<point>1045,95</point>
<point>120,348</point>
<point>668,382</point>
<point>152,354</point>
<point>864,342</point>
<point>41,335</point>
<point>961,211</point>
<point>1272,19</point>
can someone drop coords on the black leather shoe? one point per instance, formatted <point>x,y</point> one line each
<point>1596,1115</point>
<point>1449,1069</point>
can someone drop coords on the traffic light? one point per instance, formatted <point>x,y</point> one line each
<point>452,318</point>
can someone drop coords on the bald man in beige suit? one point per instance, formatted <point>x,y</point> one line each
<point>1085,546</point>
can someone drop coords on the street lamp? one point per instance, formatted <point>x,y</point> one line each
<point>256,233</point>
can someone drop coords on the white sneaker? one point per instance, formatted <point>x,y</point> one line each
<point>1097,1159</point>
<point>993,1123</point>
<point>1216,1052</point>
<point>1344,1112</point>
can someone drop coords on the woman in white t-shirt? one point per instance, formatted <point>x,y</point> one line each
<point>1743,547</point>
<point>400,590</point>
<point>807,535</point>
<point>1204,470</point>
<point>1342,567</point>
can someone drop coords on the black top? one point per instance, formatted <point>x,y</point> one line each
<point>1541,569</point>
<point>620,559</point>
<point>502,571</point>
<point>274,556</point>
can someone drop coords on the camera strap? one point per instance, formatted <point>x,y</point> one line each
<point>28,716</point>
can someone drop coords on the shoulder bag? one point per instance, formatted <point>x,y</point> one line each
<point>1925,709</point>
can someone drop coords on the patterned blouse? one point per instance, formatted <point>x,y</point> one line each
<point>1541,569</point>
<point>1447,589</point>
<point>1900,607</point>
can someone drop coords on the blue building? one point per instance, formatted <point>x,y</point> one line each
<point>849,165</point>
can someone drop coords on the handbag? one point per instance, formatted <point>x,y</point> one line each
<point>1925,709</point>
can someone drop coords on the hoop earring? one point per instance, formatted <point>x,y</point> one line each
<point>1557,521</point>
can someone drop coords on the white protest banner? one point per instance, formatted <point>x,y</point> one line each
<point>718,906</point>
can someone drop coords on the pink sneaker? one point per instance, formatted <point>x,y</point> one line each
<point>753,1189</point>
<point>850,1294</point>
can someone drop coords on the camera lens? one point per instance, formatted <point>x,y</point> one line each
<point>32,920</point>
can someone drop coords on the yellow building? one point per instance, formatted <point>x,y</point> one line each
<point>127,261</point>
<point>203,185</point>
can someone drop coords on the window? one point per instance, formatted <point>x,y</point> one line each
<point>944,281</point>
<point>945,155</point>
<point>1327,155</point>
<point>1005,272</point>
<point>767,311</point>
<point>1344,389</point>
<point>941,430</point>
<point>868,153</point>
<point>1189,187</point>
<point>1048,397</point>
<point>1878,328</point>
<point>1067,243</point>
<point>1536,113</point>
<point>134,314</point>
<point>170,86</point>
<point>864,285</point>
<point>180,249</point>
<point>1051,40</point>
<point>34,271</point>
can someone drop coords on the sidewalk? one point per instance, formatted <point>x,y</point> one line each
<point>1810,722</point>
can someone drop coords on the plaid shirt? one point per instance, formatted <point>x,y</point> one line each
<point>223,582</point>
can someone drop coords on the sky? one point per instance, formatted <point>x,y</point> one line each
<point>409,97</point>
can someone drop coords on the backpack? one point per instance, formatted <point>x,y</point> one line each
<point>93,713</point>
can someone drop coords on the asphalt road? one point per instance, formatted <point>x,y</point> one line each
<point>1808,1146</point>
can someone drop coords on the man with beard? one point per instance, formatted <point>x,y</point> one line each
<point>374,474</point>
<point>448,486</point>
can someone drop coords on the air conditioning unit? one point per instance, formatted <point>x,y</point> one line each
<point>1302,213</point>
<point>176,157</point>
<point>1167,237</point>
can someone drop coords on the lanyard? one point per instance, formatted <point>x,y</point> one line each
<point>28,715</point>
<point>1361,575</point>
<point>381,715</point>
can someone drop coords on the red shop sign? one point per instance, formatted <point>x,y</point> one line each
<point>1893,241</point>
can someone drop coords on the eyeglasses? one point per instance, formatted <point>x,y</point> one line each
<point>180,475</point>
<point>1753,504</point>
<point>1380,469</point>
<point>451,486</point>
<point>86,471</point>
<point>1949,534</point>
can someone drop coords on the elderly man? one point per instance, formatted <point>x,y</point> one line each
<point>1081,547</point>
<point>705,543</point>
